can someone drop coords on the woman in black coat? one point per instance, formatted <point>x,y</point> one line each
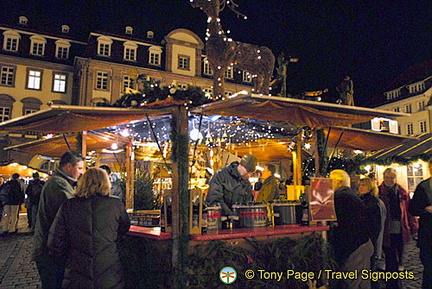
<point>86,229</point>
<point>367,191</point>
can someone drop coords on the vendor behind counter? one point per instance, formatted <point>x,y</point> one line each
<point>231,185</point>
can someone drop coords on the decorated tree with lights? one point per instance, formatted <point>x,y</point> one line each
<point>223,52</point>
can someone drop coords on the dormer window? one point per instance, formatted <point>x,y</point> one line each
<point>129,30</point>
<point>23,20</point>
<point>65,29</point>
<point>11,40</point>
<point>130,51</point>
<point>104,46</point>
<point>37,46</point>
<point>155,55</point>
<point>62,49</point>
<point>150,34</point>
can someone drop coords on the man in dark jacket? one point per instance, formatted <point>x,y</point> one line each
<point>15,197</point>
<point>231,185</point>
<point>57,189</point>
<point>33,192</point>
<point>421,205</point>
<point>350,238</point>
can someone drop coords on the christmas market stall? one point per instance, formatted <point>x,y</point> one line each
<point>184,243</point>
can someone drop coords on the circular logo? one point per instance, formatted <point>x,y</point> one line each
<point>228,275</point>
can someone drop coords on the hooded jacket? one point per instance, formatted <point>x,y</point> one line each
<point>86,230</point>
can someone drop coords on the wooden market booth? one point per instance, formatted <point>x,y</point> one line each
<point>316,115</point>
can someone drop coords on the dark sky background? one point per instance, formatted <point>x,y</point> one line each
<point>371,41</point>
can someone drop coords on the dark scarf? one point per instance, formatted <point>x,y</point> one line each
<point>395,210</point>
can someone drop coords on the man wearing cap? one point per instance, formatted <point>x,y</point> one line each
<point>231,185</point>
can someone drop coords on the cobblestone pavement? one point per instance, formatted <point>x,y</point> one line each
<point>16,268</point>
<point>18,271</point>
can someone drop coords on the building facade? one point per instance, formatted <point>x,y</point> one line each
<point>41,66</point>
<point>411,93</point>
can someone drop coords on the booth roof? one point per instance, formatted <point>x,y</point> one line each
<point>56,146</point>
<point>365,140</point>
<point>70,118</point>
<point>300,112</point>
<point>410,150</point>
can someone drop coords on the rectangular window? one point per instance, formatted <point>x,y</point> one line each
<point>7,77</point>
<point>5,113</point>
<point>11,44</point>
<point>155,58</point>
<point>102,80</point>
<point>229,73</point>
<point>59,82</point>
<point>104,49</point>
<point>182,86</point>
<point>130,54</point>
<point>207,68</point>
<point>408,108</point>
<point>247,77</point>
<point>28,111</point>
<point>397,109</point>
<point>34,79</point>
<point>421,105</point>
<point>38,48</point>
<point>183,62</point>
<point>208,92</point>
<point>415,176</point>
<point>62,52</point>
<point>409,129</point>
<point>422,126</point>
<point>127,83</point>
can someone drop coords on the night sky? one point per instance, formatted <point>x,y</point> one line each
<point>371,41</point>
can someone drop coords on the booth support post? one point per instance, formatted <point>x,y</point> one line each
<point>180,195</point>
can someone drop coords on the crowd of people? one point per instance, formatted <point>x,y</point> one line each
<point>373,224</point>
<point>77,219</point>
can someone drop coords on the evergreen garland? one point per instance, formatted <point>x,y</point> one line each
<point>152,91</point>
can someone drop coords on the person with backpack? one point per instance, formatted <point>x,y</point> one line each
<point>33,193</point>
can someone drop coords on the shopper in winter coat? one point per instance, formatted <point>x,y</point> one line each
<point>421,205</point>
<point>56,190</point>
<point>399,223</point>
<point>350,239</point>
<point>15,197</point>
<point>86,229</point>
<point>33,192</point>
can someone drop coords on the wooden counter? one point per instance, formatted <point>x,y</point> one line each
<point>149,232</point>
<point>257,232</point>
<point>156,234</point>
